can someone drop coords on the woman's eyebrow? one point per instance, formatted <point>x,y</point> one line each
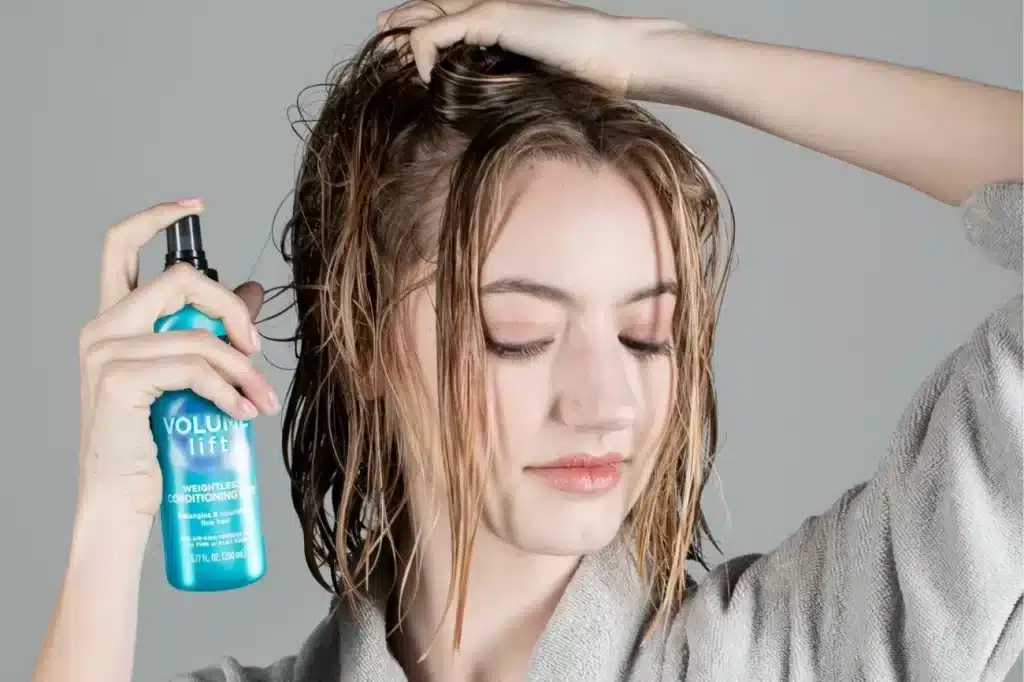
<point>519,285</point>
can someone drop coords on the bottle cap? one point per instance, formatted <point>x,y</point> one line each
<point>185,244</point>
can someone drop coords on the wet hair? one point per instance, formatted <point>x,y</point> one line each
<point>396,174</point>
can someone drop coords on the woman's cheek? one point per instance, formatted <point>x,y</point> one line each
<point>520,397</point>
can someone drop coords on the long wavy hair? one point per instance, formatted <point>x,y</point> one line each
<point>397,173</point>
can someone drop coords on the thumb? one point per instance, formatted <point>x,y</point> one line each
<point>252,294</point>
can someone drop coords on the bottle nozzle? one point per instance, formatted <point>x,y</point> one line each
<point>185,243</point>
<point>185,235</point>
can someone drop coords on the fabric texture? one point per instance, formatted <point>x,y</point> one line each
<point>916,574</point>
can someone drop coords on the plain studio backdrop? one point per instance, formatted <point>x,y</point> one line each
<point>849,288</point>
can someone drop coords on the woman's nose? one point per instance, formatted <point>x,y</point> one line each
<point>596,394</point>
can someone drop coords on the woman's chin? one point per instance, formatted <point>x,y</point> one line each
<point>566,528</point>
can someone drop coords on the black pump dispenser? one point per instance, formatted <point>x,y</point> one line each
<point>185,244</point>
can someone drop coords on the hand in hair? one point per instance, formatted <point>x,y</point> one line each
<point>813,98</point>
<point>592,45</point>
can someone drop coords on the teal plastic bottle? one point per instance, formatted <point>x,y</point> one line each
<point>210,511</point>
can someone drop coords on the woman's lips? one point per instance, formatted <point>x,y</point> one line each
<point>581,473</point>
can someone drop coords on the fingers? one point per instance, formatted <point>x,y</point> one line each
<point>437,25</point>
<point>407,15</point>
<point>177,286</point>
<point>137,383</point>
<point>119,263</point>
<point>422,14</point>
<point>416,12</point>
<point>481,24</point>
<point>232,366</point>
<point>384,16</point>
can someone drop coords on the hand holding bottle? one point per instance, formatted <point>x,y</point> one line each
<point>125,366</point>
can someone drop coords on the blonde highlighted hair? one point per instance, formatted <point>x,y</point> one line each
<point>397,173</point>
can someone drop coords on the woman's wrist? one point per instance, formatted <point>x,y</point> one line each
<point>666,60</point>
<point>105,517</point>
<point>878,116</point>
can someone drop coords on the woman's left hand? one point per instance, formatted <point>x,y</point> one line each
<point>598,47</point>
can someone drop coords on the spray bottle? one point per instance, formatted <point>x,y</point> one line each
<point>210,510</point>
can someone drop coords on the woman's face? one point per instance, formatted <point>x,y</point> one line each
<point>577,304</point>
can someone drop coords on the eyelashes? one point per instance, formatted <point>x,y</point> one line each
<point>643,350</point>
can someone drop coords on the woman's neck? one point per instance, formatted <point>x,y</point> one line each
<point>510,598</point>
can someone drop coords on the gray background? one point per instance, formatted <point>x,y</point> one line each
<point>850,288</point>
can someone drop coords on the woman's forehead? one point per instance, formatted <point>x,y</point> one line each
<point>590,231</point>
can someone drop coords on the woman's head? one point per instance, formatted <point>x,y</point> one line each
<point>499,269</point>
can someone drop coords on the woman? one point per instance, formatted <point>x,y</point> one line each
<point>506,258</point>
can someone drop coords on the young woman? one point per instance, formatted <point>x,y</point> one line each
<point>506,276</point>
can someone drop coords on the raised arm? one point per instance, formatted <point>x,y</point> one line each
<point>915,574</point>
<point>124,366</point>
<point>941,135</point>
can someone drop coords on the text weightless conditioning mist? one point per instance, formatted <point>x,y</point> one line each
<point>210,511</point>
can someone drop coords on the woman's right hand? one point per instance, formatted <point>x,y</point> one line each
<point>125,366</point>
<point>596,46</point>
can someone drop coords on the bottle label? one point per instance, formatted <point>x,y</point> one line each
<point>210,508</point>
<point>203,439</point>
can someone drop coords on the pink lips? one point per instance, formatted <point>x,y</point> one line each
<point>581,473</point>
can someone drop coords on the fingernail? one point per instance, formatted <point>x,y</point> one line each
<point>247,409</point>
<point>272,399</point>
<point>190,201</point>
<point>254,336</point>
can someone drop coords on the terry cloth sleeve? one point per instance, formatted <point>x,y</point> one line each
<point>917,574</point>
<point>316,660</point>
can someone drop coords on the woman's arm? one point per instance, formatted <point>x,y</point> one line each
<point>914,574</point>
<point>941,135</point>
<point>93,629</point>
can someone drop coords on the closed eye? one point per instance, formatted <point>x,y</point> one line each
<point>646,349</point>
<point>642,349</point>
<point>518,351</point>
